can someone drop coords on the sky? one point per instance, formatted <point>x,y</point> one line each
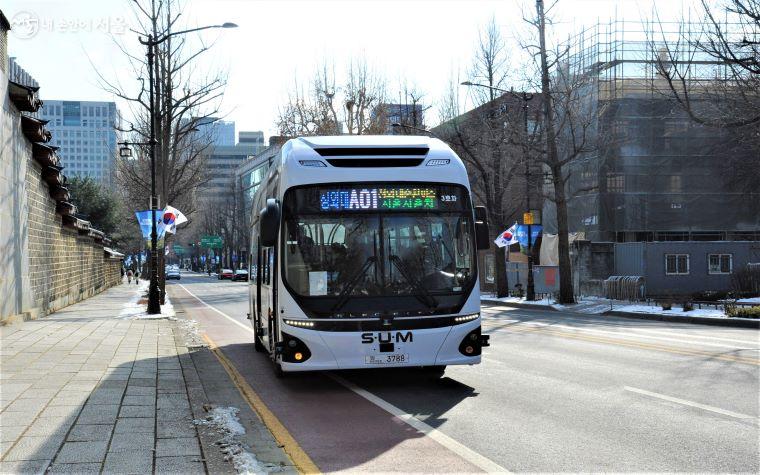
<point>279,42</point>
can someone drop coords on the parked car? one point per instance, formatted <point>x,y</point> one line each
<point>172,273</point>
<point>226,274</point>
<point>240,274</point>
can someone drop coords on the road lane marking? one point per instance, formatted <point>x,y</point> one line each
<point>300,458</point>
<point>684,402</point>
<point>451,444</point>
<point>217,310</point>
<point>463,451</point>
<point>634,335</point>
<point>633,344</point>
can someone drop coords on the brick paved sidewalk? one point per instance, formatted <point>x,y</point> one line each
<point>84,391</point>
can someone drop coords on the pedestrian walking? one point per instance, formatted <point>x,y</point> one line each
<point>137,277</point>
<point>129,276</point>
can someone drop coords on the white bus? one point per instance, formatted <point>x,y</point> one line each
<point>364,254</point>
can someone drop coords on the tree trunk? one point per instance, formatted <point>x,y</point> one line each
<point>563,244</point>
<point>565,273</point>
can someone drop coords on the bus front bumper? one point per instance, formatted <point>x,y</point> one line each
<point>382,349</point>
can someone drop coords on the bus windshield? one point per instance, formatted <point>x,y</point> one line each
<point>418,250</point>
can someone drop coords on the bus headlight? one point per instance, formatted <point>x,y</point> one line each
<point>472,344</point>
<point>299,323</point>
<point>294,350</point>
<point>466,318</point>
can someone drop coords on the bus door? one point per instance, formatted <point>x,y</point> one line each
<point>266,298</point>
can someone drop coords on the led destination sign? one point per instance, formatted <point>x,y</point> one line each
<point>378,198</point>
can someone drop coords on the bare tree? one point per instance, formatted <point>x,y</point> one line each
<point>567,122</point>
<point>713,73</point>
<point>329,109</point>
<point>485,137</point>
<point>185,99</point>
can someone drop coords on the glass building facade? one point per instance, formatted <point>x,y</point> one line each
<point>85,132</point>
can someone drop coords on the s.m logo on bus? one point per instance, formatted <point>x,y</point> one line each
<point>387,337</point>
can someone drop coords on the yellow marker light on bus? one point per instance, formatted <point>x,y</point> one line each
<point>298,356</point>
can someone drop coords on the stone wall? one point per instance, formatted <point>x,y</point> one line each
<point>44,266</point>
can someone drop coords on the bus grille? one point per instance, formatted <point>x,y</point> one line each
<point>374,162</point>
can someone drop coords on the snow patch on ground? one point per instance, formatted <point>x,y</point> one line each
<point>657,310</point>
<point>750,300</point>
<point>192,333</point>
<point>539,303</point>
<point>597,305</point>
<point>226,422</point>
<point>135,310</point>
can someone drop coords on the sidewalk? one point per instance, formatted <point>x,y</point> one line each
<point>86,390</point>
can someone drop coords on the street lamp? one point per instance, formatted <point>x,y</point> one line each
<point>154,305</point>
<point>530,293</point>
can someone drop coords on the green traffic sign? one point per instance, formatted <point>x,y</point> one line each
<point>179,250</point>
<point>211,241</point>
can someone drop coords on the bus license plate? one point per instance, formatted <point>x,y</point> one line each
<point>386,359</point>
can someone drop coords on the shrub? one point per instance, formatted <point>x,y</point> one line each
<point>688,306</point>
<point>744,312</point>
<point>666,305</point>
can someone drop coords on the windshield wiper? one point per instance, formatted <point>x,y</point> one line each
<point>344,294</point>
<point>425,296</point>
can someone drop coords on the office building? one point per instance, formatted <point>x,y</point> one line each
<point>254,137</point>
<point>221,163</point>
<point>86,133</point>
<point>221,133</point>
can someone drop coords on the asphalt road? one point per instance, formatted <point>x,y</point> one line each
<point>555,392</point>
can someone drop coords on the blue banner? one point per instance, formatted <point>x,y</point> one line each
<point>522,235</point>
<point>144,220</point>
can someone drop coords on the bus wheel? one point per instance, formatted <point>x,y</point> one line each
<point>434,372</point>
<point>278,372</point>
<point>257,343</point>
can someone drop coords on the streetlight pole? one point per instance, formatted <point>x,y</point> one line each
<point>530,293</point>
<point>154,305</point>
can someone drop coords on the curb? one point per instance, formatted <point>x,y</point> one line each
<point>716,321</point>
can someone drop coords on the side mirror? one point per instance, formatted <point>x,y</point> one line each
<point>482,236</point>
<point>270,223</point>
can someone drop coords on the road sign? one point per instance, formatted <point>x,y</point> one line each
<point>179,250</point>
<point>528,218</point>
<point>211,241</point>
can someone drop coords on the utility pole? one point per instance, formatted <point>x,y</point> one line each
<point>530,293</point>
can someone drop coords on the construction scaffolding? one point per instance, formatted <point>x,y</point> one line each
<point>654,173</point>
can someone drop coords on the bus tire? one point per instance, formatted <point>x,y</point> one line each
<point>278,372</point>
<point>260,348</point>
<point>257,345</point>
<point>434,372</point>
